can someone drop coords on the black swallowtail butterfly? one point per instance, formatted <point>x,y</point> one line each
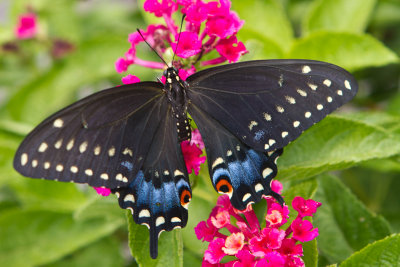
<point>127,138</point>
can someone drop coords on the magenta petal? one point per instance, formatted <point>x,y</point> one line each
<point>129,79</point>
<point>302,230</point>
<point>214,253</point>
<point>102,191</point>
<point>305,207</point>
<point>26,27</point>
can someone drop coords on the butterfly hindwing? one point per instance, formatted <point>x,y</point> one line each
<point>235,169</point>
<point>160,194</point>
<point>100,140</point>
<point>269,103</point>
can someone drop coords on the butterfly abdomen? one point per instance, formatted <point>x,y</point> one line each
<point>176,95</point>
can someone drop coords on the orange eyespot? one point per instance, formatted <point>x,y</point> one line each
<point>224,187</point>
<point>185,198</point>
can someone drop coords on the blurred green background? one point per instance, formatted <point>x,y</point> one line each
<point>45,223</point>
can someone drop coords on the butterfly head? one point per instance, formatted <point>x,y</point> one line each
<point>171,75</point>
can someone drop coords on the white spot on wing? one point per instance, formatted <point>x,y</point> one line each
<point>58,123</point>
<point>284,134</point>
<point>266,172</point>
<point>24,159</point>
<point>121,178</point>
<point>97,150</point>
<point>320,107</point>
<point>166,172</point>
<point>144,213</point>
<point>129,197</point>
<point>46,165</point>
<point>111,151</point>
<point>58,144</point>
<point>89,172</point>
<point>312,86</point>
<point>216,162</point>
<point>229,153</point>
<point>347,84</point>
<point>70,144</point>
<point>339,92</point>
<point>329,99</point>
<point>258,187</point>
<point>104,176</point>
<point>290,100</point>
<point>74,169</point>
<point>43,147</point>
<point>128,151</point>
<point>301,92</point>
<point>266,146</point>
<point>34,163</point>
<point>327,82</point>
<point>252,124</point>
<point>271,142</point>
<point>306,69</point>
<point>178,172</point>
<point>59,168</point>
<point>296,124</point>
<point>160,220</point>
<point>307,114</point>
<point>83,147</point>
<point>175,220</point>
<point>267,117</point>
<point>280,109</point>
<point>246,197</point>
<point>280,82</point>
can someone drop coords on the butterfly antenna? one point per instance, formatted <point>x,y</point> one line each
<point>152,48</point>
<point>179,36</point>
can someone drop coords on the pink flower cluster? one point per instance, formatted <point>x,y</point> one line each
<point>209,26</point>
<point>26,26</point>
<point>251,245</point>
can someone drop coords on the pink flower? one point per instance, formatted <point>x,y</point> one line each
<point>205,231</point>
<point>231,49</point>
<point>271,259</point>
<point>224,26</point>
<point>121,65</point>
<point>130,79</point>
<point>102,191</point>
<point>221,219</point>
<point>270,238</point>
<point>303,230</point>
<point>26,27</point>
<point>197,13</point>
<point>189,45</point>
<point>251,245</point>
<point>166,7</point>
<point>277,215</point>
<point>191,155</point>
<point>233,243</point>
<point>196,138</point>
<point>215,252</point>
<point>276,186</point>
<point>305,207</point>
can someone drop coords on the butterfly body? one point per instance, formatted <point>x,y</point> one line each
<point>127,138</point>
<point>176,91</point>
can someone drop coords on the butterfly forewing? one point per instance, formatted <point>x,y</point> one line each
<point>91,140</point>
<point>269,103</point>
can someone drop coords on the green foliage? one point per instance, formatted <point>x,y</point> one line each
<point>59,224</point>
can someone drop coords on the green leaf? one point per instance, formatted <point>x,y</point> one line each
<point>345,225</point>
<point>266,17</point>
<point>385,252</point>
<point>336,142</point>
<point>104,253</point>
<point>339,15</point>
<point>170,246</point>
<point>29,238</point>
<point>348,50</point>
<point>259,46</point>
<point>310,251</point>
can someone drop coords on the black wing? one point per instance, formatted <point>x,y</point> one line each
<point>269,103</point>
<point>237,170</point>
<point>160,194</point>
<point>93,140</point>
